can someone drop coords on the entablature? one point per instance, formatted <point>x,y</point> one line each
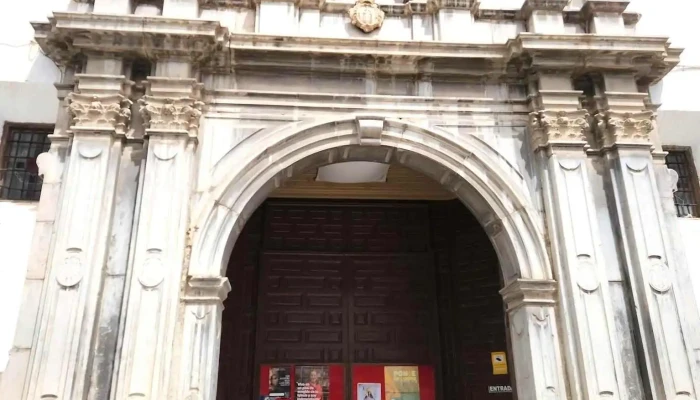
<point>212,48</point>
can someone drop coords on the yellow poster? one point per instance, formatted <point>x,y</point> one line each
<point>401,383</point>
<point>498,361</point>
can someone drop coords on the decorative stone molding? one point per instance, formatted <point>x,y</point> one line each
<point>369,130</point>
<point>615,128</point>
<point>542,5</point>
<point>172,106</point>
<point>366,15</point>
<point>171,114</point>
<point>550,127</point>
<point>592,7</point>
<point>67,34</point>
<point>94,112</point>
<point>214,4</point>
<point>529,292</point>
<point>206,289</point>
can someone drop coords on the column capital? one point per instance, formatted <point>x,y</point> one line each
<point>172,106</point>
<point>100,104</point>
<point>529,292</point>
<point>625,128</point>
<point>551,128</point>
<point>206,289</point>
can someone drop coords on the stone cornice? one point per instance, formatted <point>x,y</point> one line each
<point>212,48</point>
<point>67,34</point>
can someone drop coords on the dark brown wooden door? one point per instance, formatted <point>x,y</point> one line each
<point>347,283</point>
<point>364,282</point>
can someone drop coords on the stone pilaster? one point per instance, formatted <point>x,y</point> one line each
<point>664,323</point>
<point>544,16</point>
<point>201,340</point>
<point>60,366</point>
<point>560,130</point>
<point>171,111</point>
<point>539,371</point>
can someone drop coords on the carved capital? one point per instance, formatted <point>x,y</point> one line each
<point>616,128</point>
<point>206,289</point>
<point>99,112</point>
<point>366,15</point>
<point>169,114</point>
<point>552,127</point>
<point>529,292</point>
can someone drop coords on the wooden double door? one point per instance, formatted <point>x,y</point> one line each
<point>363,283</point>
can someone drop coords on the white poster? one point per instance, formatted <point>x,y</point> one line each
<point>369,391</point>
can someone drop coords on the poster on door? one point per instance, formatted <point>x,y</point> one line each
<point>369,391</point>
<point>312,382</point>
<point>276,382</point>
<point>401,383</point>
<point>391,382</point>
<point>302,382</point>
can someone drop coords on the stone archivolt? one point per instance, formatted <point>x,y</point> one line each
<point>558,126</point>
<point>100,112</point>
<point>171,114</point>
<point>620,128</point>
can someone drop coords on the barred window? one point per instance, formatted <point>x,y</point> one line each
<point>19,175</point>
<point>680,159</point>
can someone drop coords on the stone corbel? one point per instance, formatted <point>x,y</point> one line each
<point>558,128</point>
<point>172,106</point>
<point>629,128</point>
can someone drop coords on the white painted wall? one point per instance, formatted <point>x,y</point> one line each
<point>16,227</point>
<point>27,95</point>
<point>679,114</point>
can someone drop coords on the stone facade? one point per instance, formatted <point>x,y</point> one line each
<point>545,133</point>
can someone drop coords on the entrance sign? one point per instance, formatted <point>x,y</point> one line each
<point>501,389</point>
<point>498,361</point>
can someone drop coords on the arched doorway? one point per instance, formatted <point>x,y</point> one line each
<point>357,283</point>
<point>479,177</point>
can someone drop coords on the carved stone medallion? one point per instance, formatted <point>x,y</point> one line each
<point>70,273</point>
<point>659,276</point>
<point>587,278</point>
<point>366,15</point>
<point>153,272</point>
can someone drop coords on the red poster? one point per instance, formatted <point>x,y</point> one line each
<point>302,382</point>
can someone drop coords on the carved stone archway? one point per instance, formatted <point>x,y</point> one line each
<point>479,176</point>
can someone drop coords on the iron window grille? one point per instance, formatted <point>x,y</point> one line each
<point>680,159</point>
<point>19,174</point>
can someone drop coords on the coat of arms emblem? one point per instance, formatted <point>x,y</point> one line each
<point>366,15</point>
